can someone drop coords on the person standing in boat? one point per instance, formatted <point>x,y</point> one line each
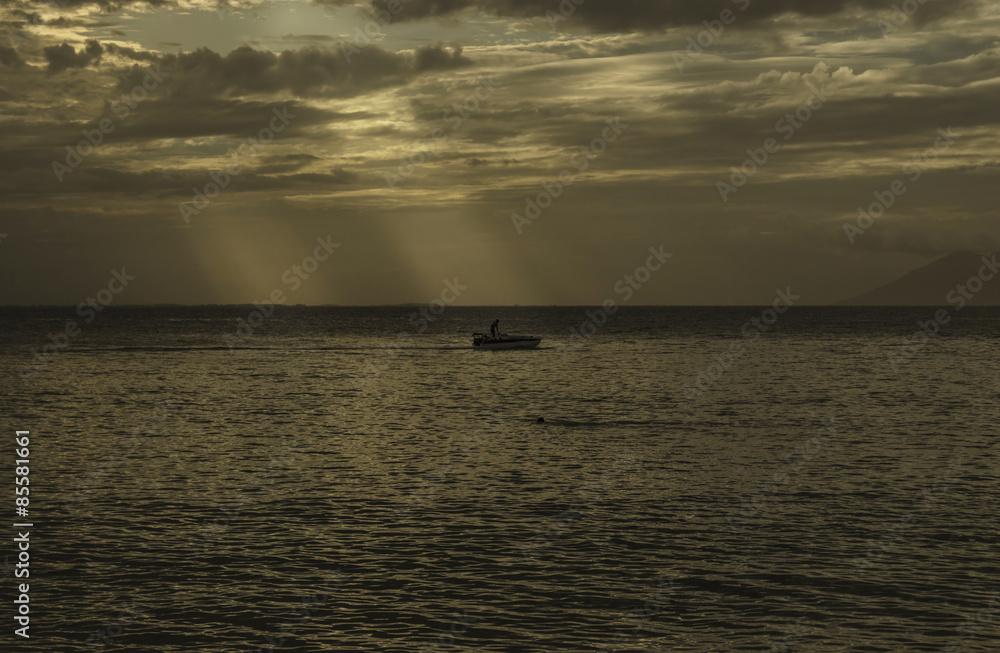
<point>495,328</point>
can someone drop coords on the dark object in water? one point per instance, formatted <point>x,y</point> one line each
<point>541,420</point>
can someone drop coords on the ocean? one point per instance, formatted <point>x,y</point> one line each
<point>235,479</point>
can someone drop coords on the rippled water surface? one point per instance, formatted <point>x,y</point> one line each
<point>339,481</point>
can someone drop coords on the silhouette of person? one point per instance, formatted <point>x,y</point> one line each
<point>495,328</point>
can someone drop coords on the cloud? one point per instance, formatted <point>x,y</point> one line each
<point>361,113</point>
<point>644,15</point>
<point>309,38</point>
<point>436,57</point>
<point>172,118</point>
<point>130,53</point>
<point>63,57</point>
<point>113,5</point>
<point>63,21</point>
<point>10,58</point>
<point>98,178</point>
<point>310,71</point>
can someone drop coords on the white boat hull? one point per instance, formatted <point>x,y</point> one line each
<point>481,341</point>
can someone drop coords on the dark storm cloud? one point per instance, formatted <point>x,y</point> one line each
<point>174,117</point>
<point>304,72</point>
<point>103,5</point>
<point>878,120</point>
<point>35,18</point>
<point>438,58</point>
<point>10,58</point>
<point>155,119</point>
<point>888,114</point>
<point>63,57</point>
<point>32,17</point>
<point>854,111</point>
<point>33,147</point>
<point>201,95</point>
<point>639,15</point>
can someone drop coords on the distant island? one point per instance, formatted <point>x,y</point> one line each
<point>958,279</point>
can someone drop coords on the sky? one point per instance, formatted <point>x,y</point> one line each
<point>491,151</point>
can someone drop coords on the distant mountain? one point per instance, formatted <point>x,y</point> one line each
<point>932,284</point>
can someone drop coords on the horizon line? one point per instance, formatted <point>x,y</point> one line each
<point>415,304</point>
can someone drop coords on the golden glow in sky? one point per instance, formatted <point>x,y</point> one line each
<point>471,140</point>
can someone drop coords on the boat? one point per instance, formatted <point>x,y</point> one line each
<point>503,341</point>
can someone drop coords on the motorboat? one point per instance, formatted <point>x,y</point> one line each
<point>503,341</point>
